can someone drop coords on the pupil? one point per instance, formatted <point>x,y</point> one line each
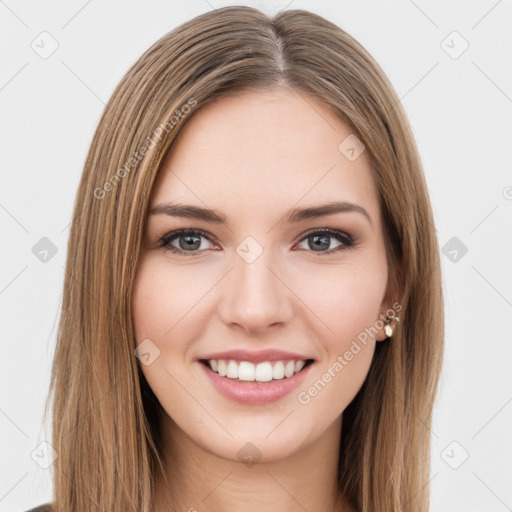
<point>190,242</point>
<point>317,245</point>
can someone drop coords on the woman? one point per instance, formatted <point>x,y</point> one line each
<point>252,312</point>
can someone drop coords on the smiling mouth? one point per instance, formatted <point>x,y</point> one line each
<point>265,371</point>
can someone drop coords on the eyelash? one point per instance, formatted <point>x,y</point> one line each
<point>165,241</point>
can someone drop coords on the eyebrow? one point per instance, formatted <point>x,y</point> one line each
<point>295,215</point>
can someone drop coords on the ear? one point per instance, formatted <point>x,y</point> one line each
<point>389,309</point>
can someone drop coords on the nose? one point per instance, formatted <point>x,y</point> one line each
<point>257,295</point>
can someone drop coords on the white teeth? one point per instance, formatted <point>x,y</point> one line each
<point>222,367</point>
<point>232,371</point>
<point>289,369</point>
<point>278,370</point>
<point>264,372</point>
<point>246,371</point>
<point>261,372</point>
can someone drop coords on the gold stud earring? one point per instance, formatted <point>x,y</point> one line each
<point>388,329</point>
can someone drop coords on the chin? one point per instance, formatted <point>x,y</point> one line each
<point>258,439</point>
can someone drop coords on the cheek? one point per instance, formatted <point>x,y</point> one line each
<point>160,316</point>
<point>151,316</point>
<point>163,302</point>
<point>345,302</point>
<point>346,307</point>
<point>163,313</point>
<point>167,310</point>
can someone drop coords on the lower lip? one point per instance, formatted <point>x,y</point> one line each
<point>255,393</point>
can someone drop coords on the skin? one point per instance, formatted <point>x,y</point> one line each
<point>254,156</point>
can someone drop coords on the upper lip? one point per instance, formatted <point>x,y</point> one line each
<point>256,357</point>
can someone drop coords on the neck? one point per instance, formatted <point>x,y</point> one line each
<point>196,479</point>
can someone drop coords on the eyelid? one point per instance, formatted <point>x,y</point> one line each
<point>169,236</point>
<point>330,231</point>
<point>343,237</point>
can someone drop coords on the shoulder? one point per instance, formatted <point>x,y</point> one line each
<point>47,507</point>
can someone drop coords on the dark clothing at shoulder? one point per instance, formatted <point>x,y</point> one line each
<point>42,508</point>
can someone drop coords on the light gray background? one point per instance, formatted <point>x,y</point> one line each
<point>460,110</point>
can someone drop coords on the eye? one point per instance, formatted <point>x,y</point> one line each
<point>321,239</point>
<point>188,241</point>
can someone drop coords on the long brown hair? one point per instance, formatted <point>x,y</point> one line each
<point>105,416</point>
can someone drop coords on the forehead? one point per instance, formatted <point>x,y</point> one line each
<point>265,151</point>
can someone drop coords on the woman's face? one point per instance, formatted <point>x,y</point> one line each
<point>259,281</point>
